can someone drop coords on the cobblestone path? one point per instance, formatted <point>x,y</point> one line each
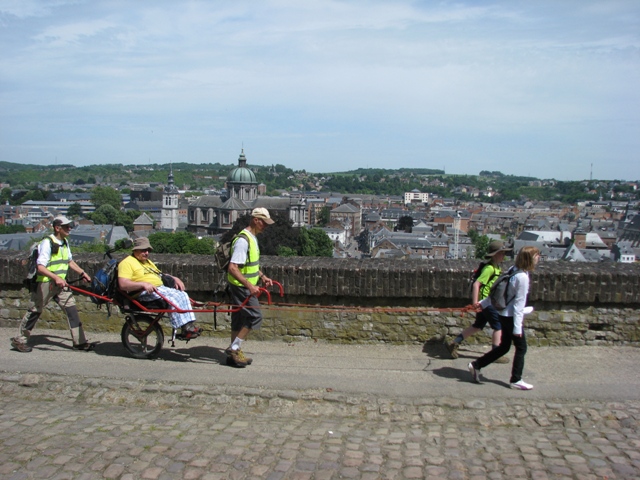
<point>66,430</point>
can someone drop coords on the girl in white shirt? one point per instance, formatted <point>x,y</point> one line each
<point>511,319</point>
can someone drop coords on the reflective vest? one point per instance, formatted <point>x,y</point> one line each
<point>251,269</point>
<point>59,261</point>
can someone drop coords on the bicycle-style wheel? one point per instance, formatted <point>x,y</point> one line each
<point>141,337</point>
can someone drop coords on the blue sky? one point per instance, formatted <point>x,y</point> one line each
<point>540,88</point>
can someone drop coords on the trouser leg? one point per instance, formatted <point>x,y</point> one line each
<point>518,359</point>
<point>75,326</point>
<point>504,347</point>
<point>68,304</point>
<point>40,297</point>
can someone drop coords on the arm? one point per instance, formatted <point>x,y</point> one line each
<point>475,291</point>
<point>179,283</point>
<point>265,280</point>
<point>76,268</point>
<point>521,286</point>
<point>129,286</point>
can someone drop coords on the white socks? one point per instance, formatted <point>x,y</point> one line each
<point>237,343</point>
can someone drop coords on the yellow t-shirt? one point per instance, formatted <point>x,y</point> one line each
<point>132,269</point>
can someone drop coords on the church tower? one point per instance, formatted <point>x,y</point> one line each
<point>579,236</point>
<point>170,201</point>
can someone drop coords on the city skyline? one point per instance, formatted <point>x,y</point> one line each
<point>545,89</point>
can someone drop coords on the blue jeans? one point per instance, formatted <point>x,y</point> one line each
<point>505,345</point>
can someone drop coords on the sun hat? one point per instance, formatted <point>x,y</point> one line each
<point>495,247</point>
<point>263,214</point>
<point>142,243</point>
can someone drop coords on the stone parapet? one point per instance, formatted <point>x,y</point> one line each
<point>404,301</point>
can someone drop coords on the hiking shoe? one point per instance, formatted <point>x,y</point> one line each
<point>19,345</point>
<point>502,359</point>
<point>521,385</point>
<point>240,354</point>
<point>85,347</point>
<point>453,349</point>
<point>236,358</point>
<point>475,373</point>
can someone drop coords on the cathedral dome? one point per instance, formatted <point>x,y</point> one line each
<point>241,174</point>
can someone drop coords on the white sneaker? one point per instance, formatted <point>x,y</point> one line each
<point>474,373</point>
<point>521,385</point>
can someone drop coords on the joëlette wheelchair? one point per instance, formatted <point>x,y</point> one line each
<point>142,335</point>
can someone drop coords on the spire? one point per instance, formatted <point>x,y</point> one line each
<point>170,188</point>
<point>242,160</point>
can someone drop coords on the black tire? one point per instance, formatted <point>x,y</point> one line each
<point>140,345</point>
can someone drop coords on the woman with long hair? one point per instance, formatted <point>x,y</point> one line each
<point>511,319</point>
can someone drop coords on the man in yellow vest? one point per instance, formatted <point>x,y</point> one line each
<point>54,262</point>
<point>243,276</point>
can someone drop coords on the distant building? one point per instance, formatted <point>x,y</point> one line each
<point>213,214</point>
<point>170,206</point>
<point>415,196</point>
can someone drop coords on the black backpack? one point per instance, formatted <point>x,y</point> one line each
<point>500,290</point>
<point>476,274</point>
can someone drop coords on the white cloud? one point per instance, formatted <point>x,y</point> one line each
<point>329,70</point>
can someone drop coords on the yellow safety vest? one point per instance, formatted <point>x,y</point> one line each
<point>251,269</point>
<point>59,261</point>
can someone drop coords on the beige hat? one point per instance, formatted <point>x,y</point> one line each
<point>142,243</point>
<point>262,214</point>
<point>495,247</point>
<point>61,220</point>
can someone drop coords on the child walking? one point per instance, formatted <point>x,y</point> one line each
<point>511,319</point>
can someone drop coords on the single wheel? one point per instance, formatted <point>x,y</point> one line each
<point>140,337</point>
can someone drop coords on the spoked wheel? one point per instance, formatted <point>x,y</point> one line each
<point>141,337</point>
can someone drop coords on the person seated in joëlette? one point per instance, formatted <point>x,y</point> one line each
<point>139,277</point>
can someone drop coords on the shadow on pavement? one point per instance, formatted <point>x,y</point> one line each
<point>462,375</point>
<point>170,354</point>
<point>436,350</point>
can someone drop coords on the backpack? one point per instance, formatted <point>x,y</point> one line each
<point>32,262</point>
<point>223,253</point>
<point>500,289</point>
<point>104,282</point>
<point>475,274</point>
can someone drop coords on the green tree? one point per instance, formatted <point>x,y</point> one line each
<point>324,217</point>
<point>286,252</point>
<point>405,224</point>
<point>5,196</point>
<point>106,196</point>
<point>480,242</point>
<point>12,229</point>
<point>181,243</point>
<point>75,210</point>
<point>104,215</point>
<point>315,242</point>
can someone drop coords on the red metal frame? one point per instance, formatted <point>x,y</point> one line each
<point>202,307</point>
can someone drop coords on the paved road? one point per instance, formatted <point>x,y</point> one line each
<point>412,371</point>
<point>313,411</point>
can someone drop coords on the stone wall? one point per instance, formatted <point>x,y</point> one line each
<point>350,301</point>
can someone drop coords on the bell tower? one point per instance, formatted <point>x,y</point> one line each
<point>170,202</point>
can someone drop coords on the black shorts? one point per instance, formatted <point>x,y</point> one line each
<point>488,315</point>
